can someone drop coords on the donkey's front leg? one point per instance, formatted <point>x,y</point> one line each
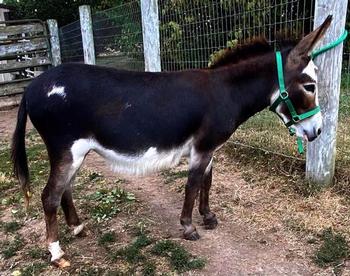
<point>198,165</point>
<point>209,218</point>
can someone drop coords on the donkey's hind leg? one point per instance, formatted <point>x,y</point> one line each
<point>62,171</point>
<point>209,218</point>
<point>198,164</point>
<point>70,212</point>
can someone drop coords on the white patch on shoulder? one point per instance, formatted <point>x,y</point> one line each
<point>311,70</point>
<point>57,90</point>
<point>143,163</point>
<point>55,250</point>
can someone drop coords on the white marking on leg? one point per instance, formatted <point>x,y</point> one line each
<point>78,229</point>
<point>57,90</point>
<point>151,160</point>
<point>55,250</point>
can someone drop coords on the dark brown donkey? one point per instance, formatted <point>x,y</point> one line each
<point>142,122</point>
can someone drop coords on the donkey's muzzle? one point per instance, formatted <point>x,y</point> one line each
<point>312,135</point>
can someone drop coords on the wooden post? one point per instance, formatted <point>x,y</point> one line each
<point>320,159</point>
<point>150,33</point>
<point>87,34</point>
<point>55,42</point>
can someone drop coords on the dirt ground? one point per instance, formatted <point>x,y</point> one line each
<point>235,247</point>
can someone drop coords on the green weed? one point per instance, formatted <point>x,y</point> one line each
<point>33,269</point>
<point>11,227</point>
<point>170,175</point>
<point>106,204</point>
<point>107,238</point>
<point>179,258</point>
<point>333,250</point>
<point>10,249</point>
<point>37,253</point>
<point>132,253</point>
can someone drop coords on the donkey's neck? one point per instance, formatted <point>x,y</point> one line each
<point>251,85</point>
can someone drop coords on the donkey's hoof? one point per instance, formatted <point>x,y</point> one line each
<point>210,221</point>
<point>61,263</point>
<point>193,236</point>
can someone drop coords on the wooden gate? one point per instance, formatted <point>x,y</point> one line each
<point>24,54</point>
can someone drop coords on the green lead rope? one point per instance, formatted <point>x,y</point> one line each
<point>284,97</point>
<point>331,45</point>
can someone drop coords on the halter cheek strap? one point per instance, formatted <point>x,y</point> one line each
<point>283,96</point>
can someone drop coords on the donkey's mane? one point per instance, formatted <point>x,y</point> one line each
<point>250,49</point>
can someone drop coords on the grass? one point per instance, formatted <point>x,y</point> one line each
<point>333,251</point>
<point>171,175</point>
<point>177,255</point>
<point>11,227</point>
<point>132,253</point>
<point>105,203</point>
<point>37,253</point>
<point>10,249</point>
<point>33,269</point>
<point>107,238</point>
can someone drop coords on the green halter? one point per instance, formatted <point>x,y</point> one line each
<point>284,97</point>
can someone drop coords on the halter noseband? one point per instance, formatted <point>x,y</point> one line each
<point>283,96</point>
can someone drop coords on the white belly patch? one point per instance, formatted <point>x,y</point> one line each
<point>143,163</point>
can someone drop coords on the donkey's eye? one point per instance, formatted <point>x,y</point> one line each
<point>310,88</point>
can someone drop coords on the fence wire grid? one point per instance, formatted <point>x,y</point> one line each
<point>118,37</point>
<point>71,42</point>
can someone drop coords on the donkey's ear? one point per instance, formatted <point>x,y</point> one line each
<point>307,44</point>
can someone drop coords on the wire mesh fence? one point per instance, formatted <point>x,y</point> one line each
<point>118,37</point>
<point>71,43</point>
<point>192,30</point>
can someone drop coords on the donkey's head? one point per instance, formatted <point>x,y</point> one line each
<point>300,79</point>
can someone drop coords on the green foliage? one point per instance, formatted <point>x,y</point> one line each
<point>179,258</point>
<point>11,227</point>
<point>37,253</point>
<point>33,269</point>
<point>105,204</point>
<point>10,249</point>
<point>132,253</point>
<point>333,250</point>
<point>170,175</point>
<point>107,238</point>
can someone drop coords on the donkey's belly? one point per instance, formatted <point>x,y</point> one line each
<point>143,163</point>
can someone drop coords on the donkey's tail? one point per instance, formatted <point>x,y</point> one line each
<point>18,154</point>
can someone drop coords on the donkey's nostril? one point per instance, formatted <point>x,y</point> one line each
<point>319,132</point>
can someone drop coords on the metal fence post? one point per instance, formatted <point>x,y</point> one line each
<point>54,41</point>
<point>320,159</point>
<point>150,33</point>
<point>87,34</point>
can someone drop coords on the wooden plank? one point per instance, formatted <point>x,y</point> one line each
<point>30,45</point>
<point>150,33</point>
<point>87,34</point>
<point>12,66</point>
<point>320,159</point>
<point>13,88</point>
<point>21,29</point>
<point>55,42</point>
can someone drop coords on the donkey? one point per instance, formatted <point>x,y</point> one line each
<point>142,122</point>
